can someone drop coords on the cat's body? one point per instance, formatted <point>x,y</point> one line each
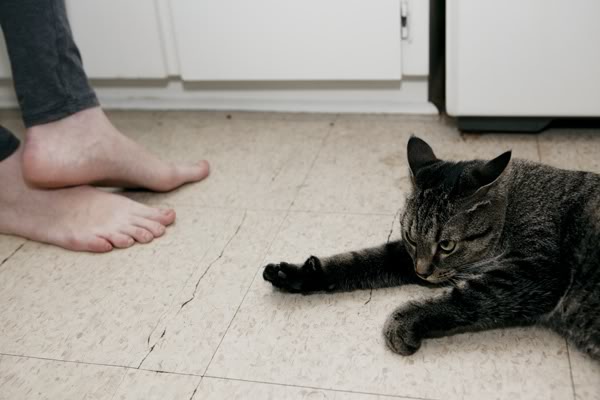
<point>514,244</point>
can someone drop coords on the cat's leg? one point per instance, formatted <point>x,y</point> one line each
<point>382,266</point>
<point>497,299</point>
<point>577,316</point>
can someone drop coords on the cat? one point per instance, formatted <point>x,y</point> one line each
<point>514,243</point>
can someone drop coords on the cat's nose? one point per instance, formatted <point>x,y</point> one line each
<point>424,268</point>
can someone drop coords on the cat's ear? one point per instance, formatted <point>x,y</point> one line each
<point>419,154</point>
<point>487,175</point>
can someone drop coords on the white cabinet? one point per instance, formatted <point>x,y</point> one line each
<point>240,40</point>
<point>523,58</point>
<point>284,55</point>
<point>415,47</point>
<point>288,39</point>
<point>118,38</point>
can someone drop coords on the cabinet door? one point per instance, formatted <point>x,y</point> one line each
<point>118,38</point>
<point>523,58</point>
<point>288,39</point>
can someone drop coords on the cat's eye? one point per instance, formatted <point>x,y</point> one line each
<point>410,239</point>
<point>447,246</point>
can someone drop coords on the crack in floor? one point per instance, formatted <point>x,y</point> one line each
<point>195,288</point>
<point>393,223</point>
<point>213,262</point>
<point>280,169</point>
<point>152,348</point>
<point>146,356</point>
<point>284,219</point>
<point>12,254</point>
<point>164,314</point>
<point>388,240</point>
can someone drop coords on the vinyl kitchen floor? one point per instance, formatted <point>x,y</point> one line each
<point>188,316</point>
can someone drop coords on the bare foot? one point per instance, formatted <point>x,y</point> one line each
<point>81,218</point>
<point>85,148</point>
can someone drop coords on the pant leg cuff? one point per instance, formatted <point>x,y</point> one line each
<point>60,111</point>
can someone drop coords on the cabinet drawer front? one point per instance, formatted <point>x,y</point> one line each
<point>288,39</point>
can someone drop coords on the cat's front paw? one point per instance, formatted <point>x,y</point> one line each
<point>400,334</point>
<point>294,278</point>
<point>284,276</point>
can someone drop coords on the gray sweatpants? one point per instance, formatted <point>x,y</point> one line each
<point>46,65</point>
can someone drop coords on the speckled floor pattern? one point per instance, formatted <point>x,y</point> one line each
<point>188,317</point>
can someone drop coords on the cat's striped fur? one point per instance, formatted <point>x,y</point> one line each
<point>516,243</point>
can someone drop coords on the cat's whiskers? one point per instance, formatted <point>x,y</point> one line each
<point>453,282</point>
<point>482,266</point>
<point>443,277</point>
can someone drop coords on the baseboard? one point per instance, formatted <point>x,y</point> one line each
<point>406,97</point>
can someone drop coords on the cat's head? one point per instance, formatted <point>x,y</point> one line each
<point>455,214</point>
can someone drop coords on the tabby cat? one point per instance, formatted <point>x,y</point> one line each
<point>514,243</point>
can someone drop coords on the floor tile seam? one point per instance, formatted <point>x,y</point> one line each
<point>331,129</point>
<point>397,396</point>
<point>126,368</point>
<point>196,388</point>
<point>266,252</point>
<point>119,385</point>
<point>571,371</point>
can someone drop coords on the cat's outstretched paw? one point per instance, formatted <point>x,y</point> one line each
<point>400,335</point>
<point>294,278</point>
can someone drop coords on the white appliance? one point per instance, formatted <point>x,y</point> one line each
<point>522,59</point>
